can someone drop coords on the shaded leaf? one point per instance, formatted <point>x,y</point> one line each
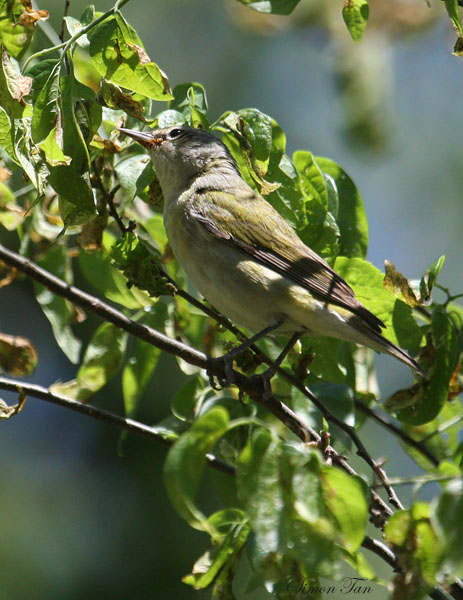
<point>134,174</point>
<point>57,309</point>
<point>98,270</point>
<point>433,394</point>
<point>143,360</point>
<point>224,555</point>
<point>18,356</point>
<point>447,519</point>
<point>347,498</point>
<point>102,361</point>
<point>114,97</point>
<point>185,463</point>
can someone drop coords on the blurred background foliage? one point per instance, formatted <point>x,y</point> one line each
<point>85,515</point>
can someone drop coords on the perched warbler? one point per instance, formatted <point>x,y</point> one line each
<point>242,256</point>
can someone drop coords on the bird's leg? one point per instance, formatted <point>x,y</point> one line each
<point>227,359</point>
<point>270,372</point>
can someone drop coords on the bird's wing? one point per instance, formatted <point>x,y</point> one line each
<point>262,233</point>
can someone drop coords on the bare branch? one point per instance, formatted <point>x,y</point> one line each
<point>37,391</point>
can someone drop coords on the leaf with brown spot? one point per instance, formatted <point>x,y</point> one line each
<point>399,285</point>
<point>142,55</point>
<point>6,412</point>
<point>18,356</point>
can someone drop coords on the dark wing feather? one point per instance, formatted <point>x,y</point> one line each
<point>259,236</point>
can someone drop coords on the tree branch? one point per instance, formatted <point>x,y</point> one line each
<point>42,393</point>
<point>252,386</point>
<point>37,391</point>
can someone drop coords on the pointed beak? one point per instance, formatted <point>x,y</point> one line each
<point>145,138</point>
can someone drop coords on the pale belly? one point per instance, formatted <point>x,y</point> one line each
<point>249,293</point>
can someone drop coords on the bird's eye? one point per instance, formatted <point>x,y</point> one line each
<point>175,133</point>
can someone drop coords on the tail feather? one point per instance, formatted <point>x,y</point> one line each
<point>384,345</point>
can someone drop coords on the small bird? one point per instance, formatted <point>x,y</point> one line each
<point>242,256</point>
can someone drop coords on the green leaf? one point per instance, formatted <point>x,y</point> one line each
<point>185,402</point>
<point>143,360</point>
<point>141,265</point>
<point>102,360</point>
<point>40,72</point>
<point>15,114</point>
<point>347,498</point>
<point>118,55</point>
<point>257,128</point>
<point>338,398</point>
<point>351,218</point>
<point>429,279</point>
<point>316,226</point>
<point>57,309</point>
<point>413,529</point>
<point>72,182</point>
<point>433,394</point>
<point>259,489</point>
<point>17,25</point>
<point>441,435</point>
<point>185,463</point>
<point>224,555</point>
<point>134,173</point>
<point>74,26</point>
<point>447,520</point>
<point>355,15</point>
<point>280,489</point>
<point>46,106</point>
<point>6,134</point>
<point>98,271</point>
<point>453,12</point>
<point>367,283</point>
<point>398,526</point>
<point>52,148</point>
<point>170,117</point>
<point>276,7</point>
<point>190,100</point>
<point>11,214</point>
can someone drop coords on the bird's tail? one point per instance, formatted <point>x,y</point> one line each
<point>381,344</point>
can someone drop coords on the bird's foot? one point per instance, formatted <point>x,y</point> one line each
<point>221,374</point>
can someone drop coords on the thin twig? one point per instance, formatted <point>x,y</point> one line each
<point>63,22</point>
<point>417,444</point>
<point>381,550</point>
<point>37,391</point>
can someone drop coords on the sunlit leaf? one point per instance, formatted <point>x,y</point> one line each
<point>118,55</point>
<point>355,15</point>
<point>277,7</point>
